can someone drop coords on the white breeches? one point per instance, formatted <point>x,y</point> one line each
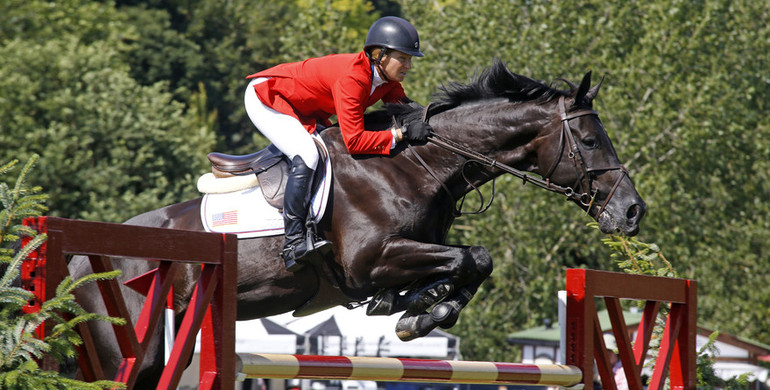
<point>284,131</point>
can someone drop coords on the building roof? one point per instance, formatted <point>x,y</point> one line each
<point>352,332</point>
<point>550,335</point>
<point>733,356</point>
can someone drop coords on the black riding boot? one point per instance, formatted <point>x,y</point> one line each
<point>301,246</point>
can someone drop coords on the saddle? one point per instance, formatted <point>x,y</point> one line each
<point>270,166</point>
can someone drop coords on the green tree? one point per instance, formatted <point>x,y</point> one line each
<point>111,148</point>
<point>19,347</point>
<point>212,43</point>
<point>40,21</point>
<point>685,85</point>
<point>328,27</point>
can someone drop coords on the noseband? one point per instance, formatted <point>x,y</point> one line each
<point>585,174</point>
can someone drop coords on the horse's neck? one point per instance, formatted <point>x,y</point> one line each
<point>433,169</point>
<point>477,128</point>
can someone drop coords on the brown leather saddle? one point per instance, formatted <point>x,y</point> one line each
<point>269,165</point>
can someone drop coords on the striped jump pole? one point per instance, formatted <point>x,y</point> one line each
<point>280,366</point>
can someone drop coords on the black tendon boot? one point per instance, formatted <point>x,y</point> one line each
<point>300,246</point>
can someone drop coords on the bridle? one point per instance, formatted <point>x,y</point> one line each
<point>585,195</point>
<point>584,173</point>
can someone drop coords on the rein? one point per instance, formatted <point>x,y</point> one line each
<point>584,198</point>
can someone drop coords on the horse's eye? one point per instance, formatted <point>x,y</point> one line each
<point>590,142</point>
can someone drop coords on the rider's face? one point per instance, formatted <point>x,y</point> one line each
<point>396,64</point>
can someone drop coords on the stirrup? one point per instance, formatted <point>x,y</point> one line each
<point>314,253</point>
<point>315,243</point>
<point>320,246</point>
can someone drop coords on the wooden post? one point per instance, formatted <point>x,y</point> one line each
<point>584,344</point>
<point>215,292</point>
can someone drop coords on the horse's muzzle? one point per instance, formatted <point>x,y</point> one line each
<point>622,220</point>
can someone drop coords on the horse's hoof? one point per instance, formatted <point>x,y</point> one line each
<point>382,303</point>
<point>445,314</point>
<point>429,295</point>
<point>412,326</point>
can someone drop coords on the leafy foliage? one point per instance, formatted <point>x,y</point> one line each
<point>110,147</point>
<point>19,347</point>
<point>640,258</point>
<point>331,26</point>
<point>122,100</point>
<point>685,85</point>
<point>209,43</point>
<point>707,378</point>
<point>637,257</point>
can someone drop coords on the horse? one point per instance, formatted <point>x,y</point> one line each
<point>388,216</point>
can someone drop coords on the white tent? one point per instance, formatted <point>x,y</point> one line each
<point>726,370</point>
<point>340,331</point>
<point>262,336</point>
<point>265,336</point>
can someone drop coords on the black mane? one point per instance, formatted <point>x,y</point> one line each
<point>496,81</point>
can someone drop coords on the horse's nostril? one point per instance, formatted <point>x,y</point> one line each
<point>632,212</point>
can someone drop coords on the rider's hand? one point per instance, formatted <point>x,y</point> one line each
<point>417,131</point>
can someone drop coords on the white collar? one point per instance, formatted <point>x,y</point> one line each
<point>376,79</point>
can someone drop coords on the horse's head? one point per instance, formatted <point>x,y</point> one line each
<point>524,124</point>
<point>575,151</point>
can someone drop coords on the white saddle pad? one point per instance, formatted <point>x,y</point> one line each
<point>247,213</point>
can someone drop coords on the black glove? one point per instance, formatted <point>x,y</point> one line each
<point>417,131</point>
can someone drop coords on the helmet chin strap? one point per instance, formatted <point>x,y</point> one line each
<point>378,62</point>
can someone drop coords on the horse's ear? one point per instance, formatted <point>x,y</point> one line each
<point>591,95</point>
<point>583,89</point>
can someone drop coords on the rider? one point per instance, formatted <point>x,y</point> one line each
<point>290,101</point>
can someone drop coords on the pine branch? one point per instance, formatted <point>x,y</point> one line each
<point>19,347</point>
<point>640,258</point>
<point>14,267</point>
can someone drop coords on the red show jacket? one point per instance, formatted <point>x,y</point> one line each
<point>339,84</point>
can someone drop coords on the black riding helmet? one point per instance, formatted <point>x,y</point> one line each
<point>394,33</point>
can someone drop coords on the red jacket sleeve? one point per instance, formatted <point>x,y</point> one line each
<point>351,95</point>
<point>317,88</point>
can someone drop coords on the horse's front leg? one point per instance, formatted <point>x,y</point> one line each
<point>445,314</point>
<point>446,276</point>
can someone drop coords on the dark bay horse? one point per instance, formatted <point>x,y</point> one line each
<point>389,216</point>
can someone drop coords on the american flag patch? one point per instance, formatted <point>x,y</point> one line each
<point>226,218</point>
